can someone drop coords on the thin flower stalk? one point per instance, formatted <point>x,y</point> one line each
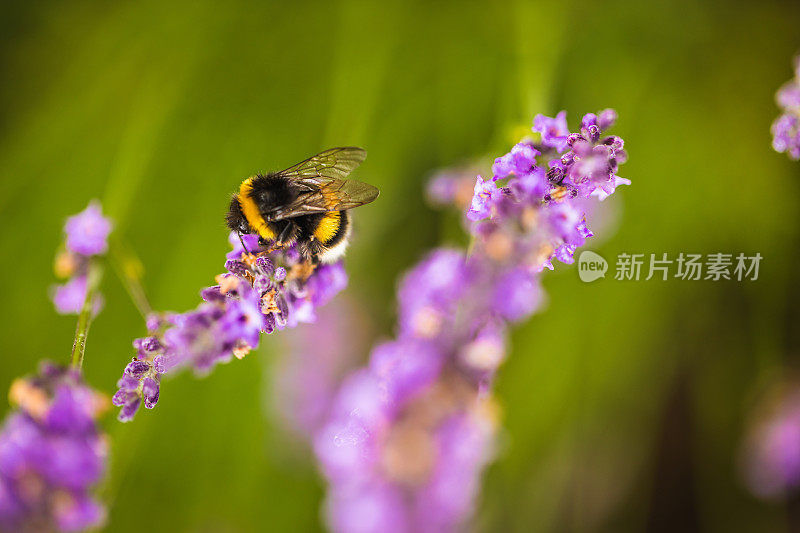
<point>93,277</point>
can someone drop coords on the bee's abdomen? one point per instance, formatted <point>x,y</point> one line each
<point>342,229</point>
<point>333,249</point>
<point>327,226</point>
<point>324,235</point>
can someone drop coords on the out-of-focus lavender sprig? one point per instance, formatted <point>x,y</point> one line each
<point>786,128</point>
<point>86,237</point>
<point>770,460</point>
<point>409,435</point>
<point>52,453</point>
<point>258,293</point>
<point>316,357</point>
<point>454,186</point>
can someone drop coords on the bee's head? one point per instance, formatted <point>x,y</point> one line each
<point>235,219</point>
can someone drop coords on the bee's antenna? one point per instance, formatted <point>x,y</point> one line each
<point>242,241</point>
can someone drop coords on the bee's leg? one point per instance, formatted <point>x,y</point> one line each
<point>284,235</point>
<point>241,240</point>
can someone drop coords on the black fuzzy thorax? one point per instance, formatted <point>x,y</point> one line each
<point>272,190</point>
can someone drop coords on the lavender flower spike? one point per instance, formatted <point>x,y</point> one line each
<point>408,436</point>
<point>86,236</point>
<point>52,454</point>
<point>258,294</point>
<point>786,128</point>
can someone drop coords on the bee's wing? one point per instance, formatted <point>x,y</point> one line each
<point>332,163</point>
<point>325,194</point>
<point>322,176</point>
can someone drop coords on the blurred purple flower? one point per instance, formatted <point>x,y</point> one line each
<point>52,454</point>
<point>554,131</point>
<point>250,240</point>
<point>69,297</point>
<point>315,359</point>
<point>486,194</point>
<point>327,282</point>
<point>87,232</point>
<point>519,161</point>
<point>86,236</point>
<point>443,188</point>
<point>454,186</point>
<point>517,295</point>
<point>428,292</point>
<point>464,446</point>
<point>253,296</point>
<point>786,135</point>
<point>771,458</point>
<point>786,128</point>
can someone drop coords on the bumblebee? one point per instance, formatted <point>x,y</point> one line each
<point>306,204</point>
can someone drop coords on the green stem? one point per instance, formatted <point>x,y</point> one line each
<point>125,266</point>
<point>93,278</point>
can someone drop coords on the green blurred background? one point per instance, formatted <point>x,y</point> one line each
<point>624,402</point>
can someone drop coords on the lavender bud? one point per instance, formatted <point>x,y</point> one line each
<point>212,294</point>
<point>154,322</point>
<point>236,267</point>
<point>594,133</point>
<point>573,137</point>
<point>265,265</point>
<point>555,175</point>
<point>160,364</point>
<point>150,390</point>
<point>589,119</point>
<point>128,410</point>
<point>614,142</point>
<point>137,369</point>
<point>606,119</point>
<point>121,397</point>
<point>128,382</point>
<point>262,284</point>
<point>150,344</point>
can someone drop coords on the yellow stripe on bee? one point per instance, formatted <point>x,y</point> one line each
<point>328,226</point>
<point>252,213</point>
